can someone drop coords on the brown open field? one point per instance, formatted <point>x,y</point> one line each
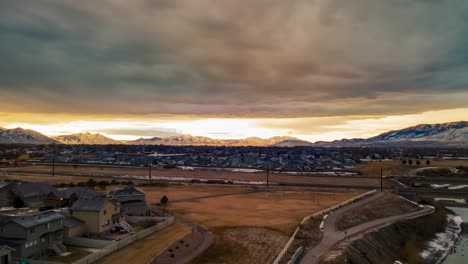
<point>146,249</point>
<point>248,228</point>
<point>397,168</point>
<point>178,192</point>
<point>249,245</point>
<point>97,173</point>
<point>281,209</point>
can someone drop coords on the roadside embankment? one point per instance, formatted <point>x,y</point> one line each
<point>404,241</point>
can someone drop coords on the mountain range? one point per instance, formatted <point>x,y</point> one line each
<point>453,134</point>
<point>86,139</point>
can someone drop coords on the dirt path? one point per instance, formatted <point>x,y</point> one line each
<point>204,239</point>
<point>332,236</point>
<point>214,196</point>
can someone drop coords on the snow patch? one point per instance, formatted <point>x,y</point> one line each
<point>456,187</point>
<point>438,248</point>
<point>438,186</point>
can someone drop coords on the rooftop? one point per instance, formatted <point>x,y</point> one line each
<point>35,189</point>
<point>80,192</point>
<point>71,221</point>
<point>130,190</point>
<point>95,204</point>
<point>28,221</point>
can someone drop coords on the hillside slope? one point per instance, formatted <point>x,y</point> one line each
<point>86,139</point>
<point>23,136</point>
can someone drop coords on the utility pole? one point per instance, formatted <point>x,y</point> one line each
<point>53,163</point>
<point>381,179</point>
<point>150,165</point>
<point>268,177</point>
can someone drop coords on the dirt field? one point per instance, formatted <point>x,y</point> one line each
<point>281,209</point>
<point>395,167</point>
<point>144,250</point>
<point>179,192</point>
<point>388,205</point>
<point>248,245</point>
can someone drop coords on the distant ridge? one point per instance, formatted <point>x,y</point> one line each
<point>454,134</point>
<point>186,140</point>
<point>23,136</point>
<point>86,139</point>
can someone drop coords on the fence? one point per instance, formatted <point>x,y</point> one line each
<point>325,211</point>
<point>124,242</point>
<point>86,242</point>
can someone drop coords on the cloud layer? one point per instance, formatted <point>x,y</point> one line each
<point>296,58</point>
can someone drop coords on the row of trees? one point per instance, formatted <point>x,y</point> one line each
<point>417,162</point>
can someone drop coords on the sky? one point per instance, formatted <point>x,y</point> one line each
<point>314,69</point>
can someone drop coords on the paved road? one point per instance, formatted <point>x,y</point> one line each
<point>332,236</point>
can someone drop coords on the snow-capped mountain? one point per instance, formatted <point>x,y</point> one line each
<point>453,134</point>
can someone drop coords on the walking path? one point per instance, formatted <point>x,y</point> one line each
<point>332,236</point>
<point>198,234</point>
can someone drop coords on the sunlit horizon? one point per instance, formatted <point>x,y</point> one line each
<point>319,129</point>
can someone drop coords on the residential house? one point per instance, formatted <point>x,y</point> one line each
<point>35,194</point>
<point>73,194</point>
<point>33,236</point>
<point>6,253</point>
<point>7,196</point>
<point>132,201</point>
<point>99,214</point>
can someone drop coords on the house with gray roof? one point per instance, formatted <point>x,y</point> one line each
<point>99,214</point>
<point>35,194</point>
<point>33,236</point>
<point>7,196</point>
<point>73,194</point>
<point>132,201</point>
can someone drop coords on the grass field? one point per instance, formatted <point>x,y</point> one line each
<point>388,205</point>
<point>395,167</point>
<point>146,249</point>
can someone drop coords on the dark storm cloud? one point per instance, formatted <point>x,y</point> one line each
<point>233,58</point>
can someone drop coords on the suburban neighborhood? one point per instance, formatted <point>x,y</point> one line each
<point>37,220</point>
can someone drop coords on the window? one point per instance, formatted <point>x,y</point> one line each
<point>105,211</point>
<point>48,225</point>
<point>31,230</point>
